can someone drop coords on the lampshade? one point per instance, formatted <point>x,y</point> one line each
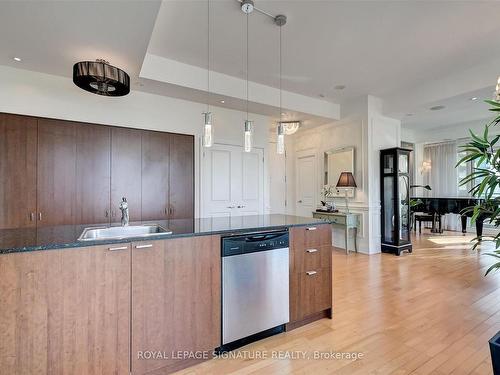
<point>100,78</point>
<point>346,179</point>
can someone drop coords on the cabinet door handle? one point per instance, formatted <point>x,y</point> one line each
<point>118,248</point>
<point>143,246</point>
<point>32,216</point>
<point>165,211</point>
<point>311,250</point>
<point>171,211</point>
<point>310,273</point>
<point>40,216</point>
<point>231,207</point>
<point>106,213</point>
<point>240,207</point>
<point>311,228</point>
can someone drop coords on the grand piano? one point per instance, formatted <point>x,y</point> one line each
<point>441,206</point>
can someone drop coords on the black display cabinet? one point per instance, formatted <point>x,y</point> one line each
<point>395,200</point>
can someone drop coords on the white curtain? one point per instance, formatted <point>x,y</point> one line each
<point>442,177</point>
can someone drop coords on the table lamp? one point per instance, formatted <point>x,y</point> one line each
<point>346,180</point>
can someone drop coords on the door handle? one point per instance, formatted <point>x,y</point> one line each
<point>143,246</point>
<point>40,216</point>
<point>311,250</point>
<point>32,216</point>
<point>310,273</point>
<point>118,248</point>
<point>311,228</point>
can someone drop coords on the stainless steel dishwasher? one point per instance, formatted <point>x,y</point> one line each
<point>255,287</point>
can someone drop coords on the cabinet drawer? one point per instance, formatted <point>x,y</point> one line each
<point>338,220</point>
<point>311,236</point>
<point>304,259</point>
<point>310,292</point>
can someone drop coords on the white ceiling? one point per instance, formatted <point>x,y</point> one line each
<point>372,47</point>
<point>51,36</point>
<point>412,54</point>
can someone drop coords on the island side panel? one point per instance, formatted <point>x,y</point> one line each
<point>65,311</point>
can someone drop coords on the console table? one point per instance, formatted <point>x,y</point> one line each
<point>346,220</point>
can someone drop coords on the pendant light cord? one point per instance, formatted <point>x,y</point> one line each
<point>247,66</point>
<point>281,109</point>
<point>208,55</point>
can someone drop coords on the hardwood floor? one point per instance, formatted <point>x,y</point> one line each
<point>430,312</point>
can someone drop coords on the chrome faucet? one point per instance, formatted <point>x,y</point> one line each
<point>124,208</point>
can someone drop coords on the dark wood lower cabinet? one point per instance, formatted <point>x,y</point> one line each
<point>18,145</point>
<point>176,301</point>
<point>310,274</point>
<point>65,311</point>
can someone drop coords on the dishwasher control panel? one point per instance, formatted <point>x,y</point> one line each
<point>251,243</point>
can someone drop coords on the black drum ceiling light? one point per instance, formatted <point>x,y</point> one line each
<point>100,78</point>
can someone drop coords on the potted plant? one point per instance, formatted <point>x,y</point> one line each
<point>484,153</point>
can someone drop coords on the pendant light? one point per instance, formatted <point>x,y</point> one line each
<point>280,141</point>
<point>101,78</point>
<point>207,129</point>
<point>248,124</point>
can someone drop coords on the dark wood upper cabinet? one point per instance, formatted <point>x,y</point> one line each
<point>181,176</point>
<point>18,143</point>
<point>126,169</point>
<point>56,182</point>
<point>56,172</point>
<point>155,169</point>
<point>93,174</point>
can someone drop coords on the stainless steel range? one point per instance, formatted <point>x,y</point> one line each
<point>255,287</point>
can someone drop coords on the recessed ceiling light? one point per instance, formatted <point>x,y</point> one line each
<point>473,98</point>
<point>437,108</point>
<point>222,101</point>
<point>18,59</point>
<point>339,87</point>
<point>321,95</point>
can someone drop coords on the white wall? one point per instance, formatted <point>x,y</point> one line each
<point>32,93</point>
<point>364,127</point>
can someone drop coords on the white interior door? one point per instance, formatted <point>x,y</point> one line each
<point>306,185</point>
<point>232,181</point>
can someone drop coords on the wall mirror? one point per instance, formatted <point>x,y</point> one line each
<point>336,161</point>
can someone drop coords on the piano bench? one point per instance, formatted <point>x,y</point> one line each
<point>426,218</point>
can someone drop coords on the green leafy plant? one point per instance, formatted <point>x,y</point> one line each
<point>484,154</point>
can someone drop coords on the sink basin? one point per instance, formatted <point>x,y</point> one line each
<point>108,233</point>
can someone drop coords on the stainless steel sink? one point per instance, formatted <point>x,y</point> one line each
<point>108,233</point>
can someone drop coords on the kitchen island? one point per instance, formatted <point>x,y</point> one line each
<point>140,305</point>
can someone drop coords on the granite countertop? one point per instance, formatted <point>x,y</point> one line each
<point>66,236</point>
